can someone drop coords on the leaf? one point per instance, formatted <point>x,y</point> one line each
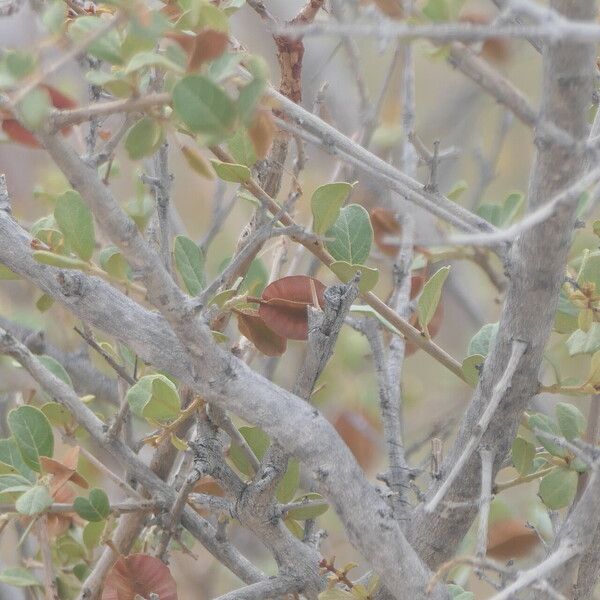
<point>509,539</point>
<point>92,534</point>
<point>289,483</point>
<point>262,131</point>
<point>144,138</point>
<point>58,260</point>
<point>571,420</point>
<point>544,424</point>
<point>385,225</point>
<point>457,190</point>
<point>44,302</point>
<point>252,327</point>
<point>34,109</point>
<point>231,172</point>
<point>437,10</point>
<point>146,59</point>
<point>481,342</point>
<point>34,501</point>
<point>352,235</point>
<point>471,368</point>
<point>326,203</point>
<point>6,273</point>
<point>308,512</point>
<point>154,397</point>
<point>258,441</point>
<point>346,272</point>
<point>32,433</point>
<point>241,147</point>
<point>209,44</point>
<point>197,162</point>
<point>19,577</point>
<point>14,483</point>
<point>189,261</point>
<point>584,342</point>
<point>523,453</point>
<point>203,106</point>
<point>336,594</point>
<point>139,574</point>
<point>284,305</point>
<point>94,508</point>
<point>114,263</point>
<point>107,47</point>
<point>55,368</point>
<point>430,297</point>
<point>458,593</point>
<point>11,455</point>
<point>558,488</point>
<point>75,221</point>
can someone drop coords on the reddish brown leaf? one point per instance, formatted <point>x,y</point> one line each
<point>139,574</point>
<point>510,538</point>
<point>262,131</point>
<point>385,225</point>
<point>391,8</point>
<point>19,134</point>
<point>433,327</point>
<point>495,50</point>
<point>209,44</point>
<point>207,485</point>
<point>63,471</point>
<point>253,327</point>
<point>361,435</point>
<point>284,305</point>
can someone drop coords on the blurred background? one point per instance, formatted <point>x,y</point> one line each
<point>450,109</point>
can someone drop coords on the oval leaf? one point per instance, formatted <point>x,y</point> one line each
<point>32,433</point>
<point>139,574</point>
<point>34,501</point>
<point>231,172</point>
<point>558,488</point>
<point>352,235</point>
<point>95,508</point>
<point>253,327</point>
<point>189,261</point>
<point>570,419</point>
<point>430,296</point>
<point>522,453</point>
<point>75,221</point>
<point>326,203</point>
<point>284,305</point>
<point>345,272</point>
<point>144,138</point>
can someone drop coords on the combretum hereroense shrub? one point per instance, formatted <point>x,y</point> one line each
<point>274,322</point>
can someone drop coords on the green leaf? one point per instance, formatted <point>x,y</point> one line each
<point>336,594</point>
<point>258,441</point>
<point>57,414</point>
<point>11,455</point>
<point>58,260</point>
<point>19,63</point>
<point>570,419</point>
<point>35,108</point>
<point>75,221</point>
<point>32,433</point>
<point>430,296</point>
<point>289,483</point>
<point>14,483</point>
<point>189,261</point>
<point>19,577</point>
<point>34,501</point>
<point>458,593</point>
<point>596,227</point>
<point>326,203</point>
<point>55,16</point>
<point>522,453</point>
<point>457,190</point>
<point>480,343</point>
<point>44,302</point>
<point>113,262</point>
<point>241,147</point>
<point>584,342</point>
<point>203,106</point>
<point>511,207</point>
<point>437,10</point>
<point>92,534</point>
<point>146,59</point>
<point>544,424</point>
<point>308,511</point>
<point>231,172</point>
<point>154,397</point>
<point>558,488</point>
<point>55,368</point>
<point>107,47</point>
<point>248,98</point>
<point>95,507</point>
<point>470,368</point>
<point>144,138</point>
<point>345,272</point>
<point>352,235</point>
<point>6,273</point>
